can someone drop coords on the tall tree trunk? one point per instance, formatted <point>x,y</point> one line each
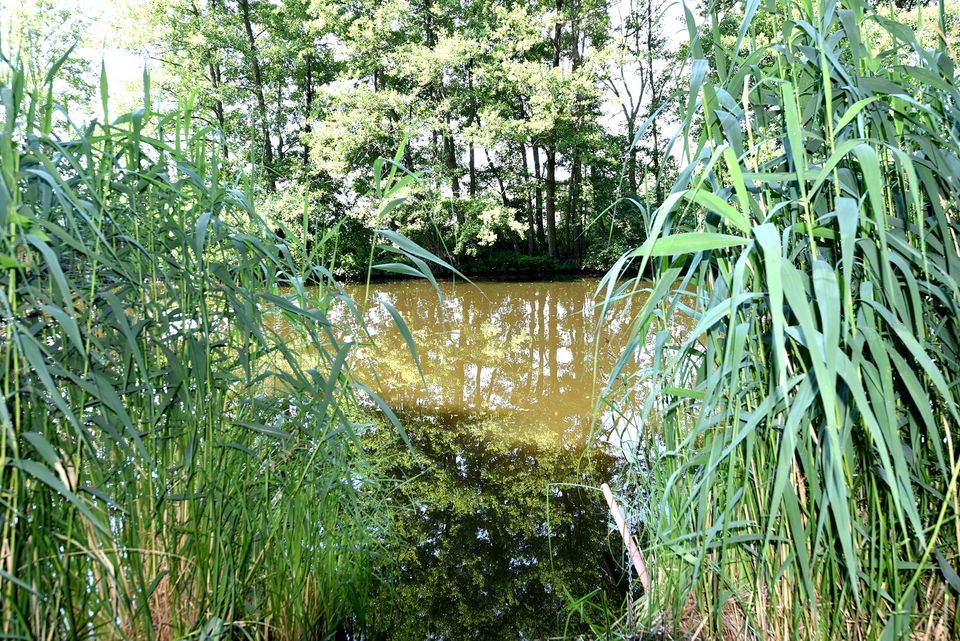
<point>550,211</point>
<point>450,155</point>
<point>215,81</point>
<point>528,203</point>
<point>473,172</point>
<point>407,148</point>
<point>499,178</point>
<point>538,193</point>
<point>595,182</point>
<point>654,105</point>
<point>218,110</point>
<point>566,239</point>
<point>575,207</point>
<point>551,150</point>
<point>307,108</point>
<point>280,151</point>
<point>531,232</point>
<point>473,119</point>
<point>258,91</point>
<point>575,223</point>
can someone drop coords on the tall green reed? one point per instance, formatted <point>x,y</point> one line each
<point>178,436</point>
<point>803,437</point>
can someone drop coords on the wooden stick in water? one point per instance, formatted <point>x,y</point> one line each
<point>635,557</point>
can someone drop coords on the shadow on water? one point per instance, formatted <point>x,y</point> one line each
<point>498,521</point>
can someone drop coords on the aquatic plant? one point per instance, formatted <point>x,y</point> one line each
<point>807,482</point>
<point>172,465</point>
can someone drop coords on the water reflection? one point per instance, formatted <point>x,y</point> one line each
<point>482,555</point>
<point>496,529</point>
<point>519,348</point>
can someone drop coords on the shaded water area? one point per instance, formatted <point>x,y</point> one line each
<point>500,523</point>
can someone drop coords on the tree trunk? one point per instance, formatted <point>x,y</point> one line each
<point>601,226</point>
<point>218,111</point>
<point>576,223</point>
<point>258,91</point>
<point>307,109</point>
<point>280,152</point>
<point>473,119</point>
<point>551,204</point>
<point>499,179</point>
<point>575,208</point>
<point>528,203</point>
<point>450,155</point>
<point>654,105</point>
<point>473,172</point>
<point>215,81</point>
<point>551,176</point>
<point>538,192</point>
<point>568,247</point>
<point>531,232</point>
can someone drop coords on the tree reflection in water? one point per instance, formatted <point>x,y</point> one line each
<point>499,426</point>
<point>515,347</point>
<point>477,560</point>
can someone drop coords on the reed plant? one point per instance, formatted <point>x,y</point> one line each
<point>178,435</point>
<point>803,447</point>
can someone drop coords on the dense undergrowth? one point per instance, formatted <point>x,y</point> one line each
<point>803,438</point>
<point>178,447</point>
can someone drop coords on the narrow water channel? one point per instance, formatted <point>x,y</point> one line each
<point>500,525</point>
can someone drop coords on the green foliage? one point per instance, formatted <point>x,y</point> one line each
<point>256,67</point>
<point>48,33</point>
<point>600,255</point>
<point>178,448</point>
<point>802,436</point>
<point>301,217</point>
<point>484,224</point>
<point>481,93</point>
<point>643,78</point>
<point>508,264</point>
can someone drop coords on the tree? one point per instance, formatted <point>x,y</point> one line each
<point>48,32</point>
<point>256,66</point>
<point>496,104</point>
<point>641,73</point>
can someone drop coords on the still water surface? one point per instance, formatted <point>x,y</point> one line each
<point>500,522</point>
<point>522,349</point>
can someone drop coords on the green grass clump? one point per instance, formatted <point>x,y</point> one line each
<point>177,451</point>
<point>804,436</point>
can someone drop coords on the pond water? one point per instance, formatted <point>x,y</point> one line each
<point>500,521</point>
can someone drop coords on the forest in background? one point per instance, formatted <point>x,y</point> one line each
<point>528,123</point>
<point>515,116</point>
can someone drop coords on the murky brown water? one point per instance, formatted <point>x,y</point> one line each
<point>521,349</point>
<point>501,524</point>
